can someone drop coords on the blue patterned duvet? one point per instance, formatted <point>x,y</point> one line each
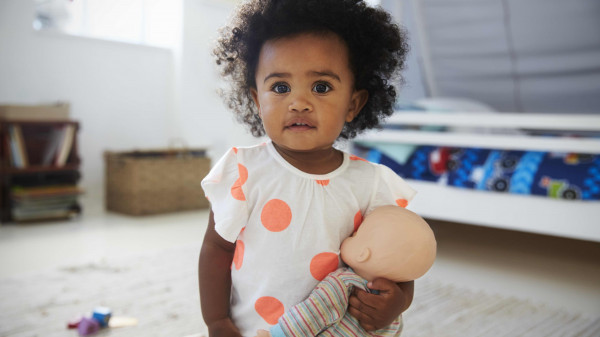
<point>556,175</point>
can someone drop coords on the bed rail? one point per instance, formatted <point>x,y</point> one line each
<point>501,121</point>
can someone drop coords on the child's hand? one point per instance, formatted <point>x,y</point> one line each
<point>377,311</point>
<point>263,333</point>
<point>223,328</point>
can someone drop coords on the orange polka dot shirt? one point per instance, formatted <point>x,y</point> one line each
<point>288,225</point>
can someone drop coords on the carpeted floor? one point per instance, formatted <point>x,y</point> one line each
<point>160,290</point>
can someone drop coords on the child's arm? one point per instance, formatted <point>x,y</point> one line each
<point>377,311</point>
<point>214,276</point>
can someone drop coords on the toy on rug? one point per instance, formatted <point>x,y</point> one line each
<point>393,243</point>
<point>101,318</point>
<point>88,326</point>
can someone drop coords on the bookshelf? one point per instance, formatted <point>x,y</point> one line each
<point>39,170</point>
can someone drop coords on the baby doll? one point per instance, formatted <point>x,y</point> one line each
<point>392,242</point>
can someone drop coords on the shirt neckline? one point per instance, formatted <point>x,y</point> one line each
<point>293,169</point>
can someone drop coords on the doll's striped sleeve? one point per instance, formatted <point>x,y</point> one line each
<point>325,306</point>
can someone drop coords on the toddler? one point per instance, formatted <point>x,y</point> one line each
<point>304,73</point>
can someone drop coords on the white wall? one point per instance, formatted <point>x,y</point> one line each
<point>125,96</point>
<point>413,87</point>
<point>204,119</point>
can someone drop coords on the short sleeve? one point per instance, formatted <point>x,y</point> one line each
<point>224,188</point>
<point>390,189</point>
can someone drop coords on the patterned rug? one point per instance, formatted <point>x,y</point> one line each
<point>160,291</point>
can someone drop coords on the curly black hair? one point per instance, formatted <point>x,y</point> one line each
<point>377,49</point>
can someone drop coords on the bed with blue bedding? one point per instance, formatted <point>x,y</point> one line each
<point>527,172</point>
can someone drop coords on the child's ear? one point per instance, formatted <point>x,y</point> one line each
<point>364,255</point>
<point>357,102</point>
<point>254,94</point>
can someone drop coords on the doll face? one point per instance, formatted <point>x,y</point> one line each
<point>305,91</point>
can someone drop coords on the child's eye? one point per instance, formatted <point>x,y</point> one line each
<point>280,88</point>
<point>322,88</point>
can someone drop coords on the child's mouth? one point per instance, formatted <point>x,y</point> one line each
<point>299,126</point>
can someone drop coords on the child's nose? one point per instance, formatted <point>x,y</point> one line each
<point>300,103</point>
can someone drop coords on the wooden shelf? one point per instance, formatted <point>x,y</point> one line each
<point>39,170</point>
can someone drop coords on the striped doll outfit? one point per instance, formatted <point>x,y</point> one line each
<point>324,312</point>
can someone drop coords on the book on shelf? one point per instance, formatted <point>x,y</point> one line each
<point>18,151</point>
<point>53,145</point>
<point>39,215</point>
<point>21,193</point>
<point>66,144</point>
<point>44,202</point>
<point>15,156</point>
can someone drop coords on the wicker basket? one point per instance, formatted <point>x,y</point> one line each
<point>152,182</point>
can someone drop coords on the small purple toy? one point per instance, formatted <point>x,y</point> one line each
<point>88,326</point>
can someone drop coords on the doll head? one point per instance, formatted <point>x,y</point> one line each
<point>392,242</point>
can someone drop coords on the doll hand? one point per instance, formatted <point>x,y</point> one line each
<point>377,311</point>
<point>223,328</point>
<point>263,333</point>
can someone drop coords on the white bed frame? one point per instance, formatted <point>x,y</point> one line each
<point>567,218</point>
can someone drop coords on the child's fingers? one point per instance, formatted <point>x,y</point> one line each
<point>360,303</point>
<point>377,311</point>
<point>362,313</point>
<point>363,300</point>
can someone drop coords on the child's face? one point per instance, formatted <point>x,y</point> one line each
<point>305,91</point>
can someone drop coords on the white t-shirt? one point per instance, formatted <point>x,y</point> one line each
<point>288,225</point>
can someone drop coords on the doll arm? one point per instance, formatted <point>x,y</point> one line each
<point>325,306</point>
<point>214,276</point>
